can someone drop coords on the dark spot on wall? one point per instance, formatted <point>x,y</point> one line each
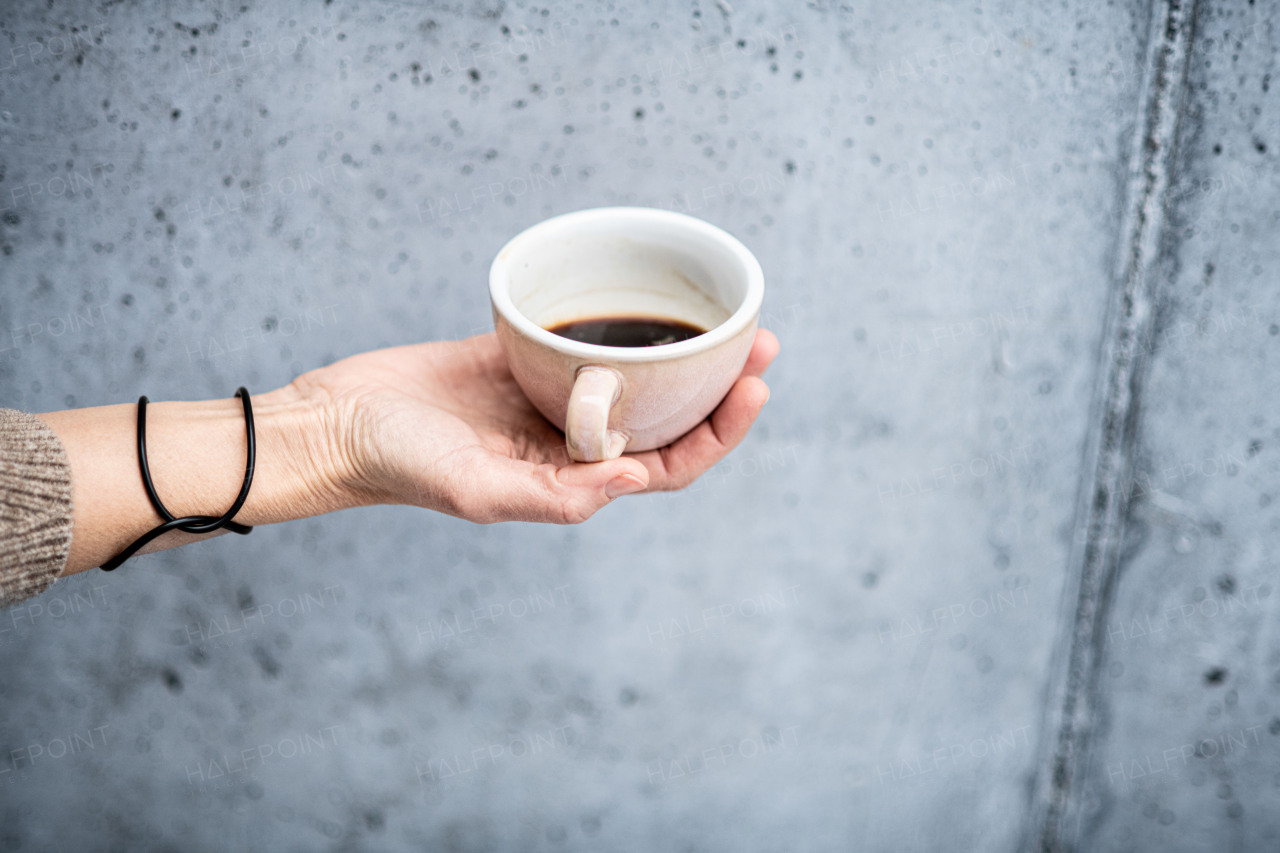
<point>799,75</point>
<point>374,820</point>
<point>474,75</point>
<point>568,129</point>
<point>1260,146</point>
<point>1274,728</point>
<point>159,214</point>
<point>1060,774</point>
<point>790,166</point>
<point>1255,446</point>
<point>127,299</point>
<point>269,666</point>
<point>1215,675</point>
<point>869,580</point>
<point>1217,149</point>
<point>1227,584</point>
<point>11,218</point>
<point>175,115</point>
<point>172,680</point>
<point>639,113</point>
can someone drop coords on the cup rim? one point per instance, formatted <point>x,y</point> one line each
<point>739,320</point>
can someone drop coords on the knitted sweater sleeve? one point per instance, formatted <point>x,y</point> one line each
<point>35,506</point>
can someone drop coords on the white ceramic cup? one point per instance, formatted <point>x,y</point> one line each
<point>625,262</point>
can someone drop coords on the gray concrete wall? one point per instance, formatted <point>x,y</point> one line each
<point>992,572</point>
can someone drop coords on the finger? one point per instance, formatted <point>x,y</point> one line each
<point>679,464</point>
<point>763,351</point>
<point>514,490</point>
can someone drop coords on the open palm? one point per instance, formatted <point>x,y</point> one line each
<point>445,426</point>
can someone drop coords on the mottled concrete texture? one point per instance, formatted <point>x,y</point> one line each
<point>995,570</point>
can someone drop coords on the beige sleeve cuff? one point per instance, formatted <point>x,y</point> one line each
<point>35,506</point>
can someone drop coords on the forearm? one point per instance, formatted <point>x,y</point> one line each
<point>196,455</point>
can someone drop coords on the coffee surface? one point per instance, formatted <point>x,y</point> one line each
<point>627,331</point>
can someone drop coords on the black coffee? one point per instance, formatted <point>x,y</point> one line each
<point>627,331</point>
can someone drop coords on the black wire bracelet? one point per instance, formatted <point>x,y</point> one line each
<point>194,524</point>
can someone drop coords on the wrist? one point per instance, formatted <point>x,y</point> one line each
<point>196,455</point>
<point>303,468</point>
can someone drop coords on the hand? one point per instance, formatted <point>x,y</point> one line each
<point>445,426</point>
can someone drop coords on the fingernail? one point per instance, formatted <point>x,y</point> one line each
<point>623,484</point>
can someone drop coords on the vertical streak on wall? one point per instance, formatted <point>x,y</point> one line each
<point>1055,808</point>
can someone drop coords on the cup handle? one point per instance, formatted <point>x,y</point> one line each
<point>586,427</point>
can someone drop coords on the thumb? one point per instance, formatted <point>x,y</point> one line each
<point>582,488</point>
<point>504,489</point>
